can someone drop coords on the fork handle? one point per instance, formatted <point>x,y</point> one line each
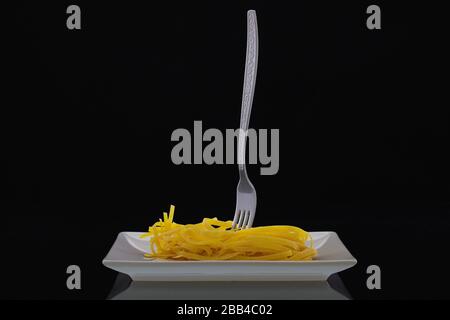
<point>251,65</point>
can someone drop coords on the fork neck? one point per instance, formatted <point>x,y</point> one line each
<point>242,171</point>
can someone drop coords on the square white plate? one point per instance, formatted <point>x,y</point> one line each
<point>127,256</point>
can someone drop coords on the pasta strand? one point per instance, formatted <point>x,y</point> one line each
<point>213,239</point>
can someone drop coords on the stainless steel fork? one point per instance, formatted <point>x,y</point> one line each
<point>246,193</point>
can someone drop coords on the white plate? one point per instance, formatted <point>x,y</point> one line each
<point>127,256</point>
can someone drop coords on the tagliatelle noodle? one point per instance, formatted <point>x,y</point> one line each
<point>213,239</point>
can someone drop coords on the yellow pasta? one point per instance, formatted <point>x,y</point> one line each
<point>213,239</point>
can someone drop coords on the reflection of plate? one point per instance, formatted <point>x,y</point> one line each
<point>125,289</point>
<point>126,256</point>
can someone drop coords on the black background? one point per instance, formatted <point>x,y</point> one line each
<point>363,118</point>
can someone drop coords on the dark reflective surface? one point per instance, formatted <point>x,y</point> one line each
<point>362,116</point>
<point>125,289</point>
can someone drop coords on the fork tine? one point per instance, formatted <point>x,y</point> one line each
<point>236,219</point>
<point>241,219</point>
<point>251,216</point>
<point>245,220</point>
